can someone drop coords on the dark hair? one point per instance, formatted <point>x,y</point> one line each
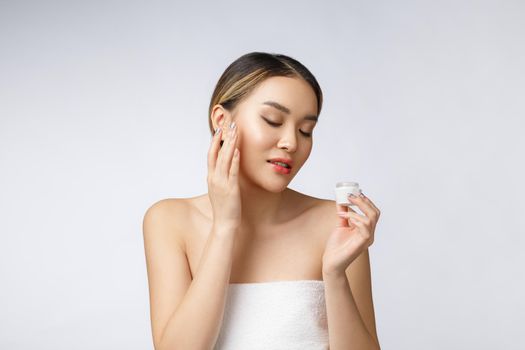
<point>249,70</point>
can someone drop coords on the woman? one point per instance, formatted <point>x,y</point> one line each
<point>253,264</point>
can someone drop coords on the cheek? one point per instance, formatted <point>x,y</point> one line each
<point>252,146</point>
<point>253,137</point>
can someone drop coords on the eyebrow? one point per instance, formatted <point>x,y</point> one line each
<point>287,110</point>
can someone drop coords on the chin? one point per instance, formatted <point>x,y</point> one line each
<point>277,190</point>
<point>266,183</point>
<point>276,185</point>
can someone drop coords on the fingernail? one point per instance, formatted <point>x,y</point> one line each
<point>217,131</point>
<point>232,125</point>
<point>351,195</point>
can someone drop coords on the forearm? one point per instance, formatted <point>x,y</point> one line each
<point>196,322</point>
<point>346,329</point>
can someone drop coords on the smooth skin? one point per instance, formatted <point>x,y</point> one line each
<point>271,226</point>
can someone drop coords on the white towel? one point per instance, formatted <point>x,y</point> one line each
<point>275,315</point>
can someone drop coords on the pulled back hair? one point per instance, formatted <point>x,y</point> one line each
<point>244,74</point>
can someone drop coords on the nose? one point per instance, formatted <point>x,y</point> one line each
<point>288,141</point>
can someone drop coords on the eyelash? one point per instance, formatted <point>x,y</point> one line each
<point>305,134</point>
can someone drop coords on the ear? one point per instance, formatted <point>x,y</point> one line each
<point>219,116</point>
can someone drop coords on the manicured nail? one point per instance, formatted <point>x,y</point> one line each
<point>217,131</point>
<point>232,125</point>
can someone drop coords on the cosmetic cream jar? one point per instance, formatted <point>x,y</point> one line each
<point>343,190</point>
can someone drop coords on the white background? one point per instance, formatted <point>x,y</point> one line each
<point>103,111</point>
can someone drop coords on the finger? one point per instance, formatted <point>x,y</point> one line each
<point>226,153</point>
<point>342,222</point>
<point>354,216</point>
<point>214,149</point>
<point>366,199</point>
<point>234,170</point>
<point>355,219</point>
<point>225,135</point>
<point>360,221</point>
<point>341,207</point>
<point>363,205</point>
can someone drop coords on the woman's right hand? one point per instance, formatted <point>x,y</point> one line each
<point>223,183</point>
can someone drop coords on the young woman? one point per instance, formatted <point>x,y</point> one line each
<point>253,264</point>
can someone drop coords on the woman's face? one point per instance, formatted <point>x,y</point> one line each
<point>290,105</point>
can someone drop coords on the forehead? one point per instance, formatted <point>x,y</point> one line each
<point>294,93</point>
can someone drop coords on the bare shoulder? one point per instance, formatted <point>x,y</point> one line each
<point>318,206</point>
<point>166,218</point>
<point>318,211</point>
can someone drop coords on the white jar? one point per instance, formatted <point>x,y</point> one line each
<point>343,190</point>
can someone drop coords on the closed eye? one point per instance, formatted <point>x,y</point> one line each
<point>277,124</point>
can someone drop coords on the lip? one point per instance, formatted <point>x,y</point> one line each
<point>281,169</point>
<point>282,160</point>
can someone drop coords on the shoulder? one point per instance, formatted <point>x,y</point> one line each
<point>167,210</point>
<point>318,206</point>
<point>165,219</point>
<point>320,210</point>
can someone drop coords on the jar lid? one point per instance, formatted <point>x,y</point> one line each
<point>346,184</point>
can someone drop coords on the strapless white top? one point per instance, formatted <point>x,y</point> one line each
<point>274,315</point>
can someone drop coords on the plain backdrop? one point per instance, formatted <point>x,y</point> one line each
<point>103,112</point>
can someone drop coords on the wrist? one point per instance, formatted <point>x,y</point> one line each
<point>335,279</point>
<point>333,273</point>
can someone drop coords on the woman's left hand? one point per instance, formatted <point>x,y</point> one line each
<point>353,234</point>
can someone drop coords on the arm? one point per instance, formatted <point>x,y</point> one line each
<point>350,312</point>
<point>185,313</point>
